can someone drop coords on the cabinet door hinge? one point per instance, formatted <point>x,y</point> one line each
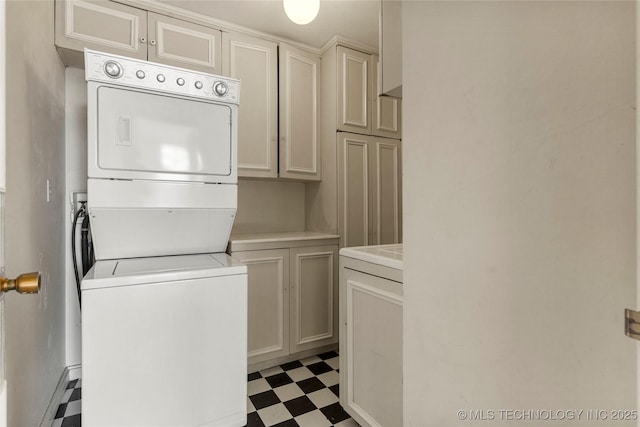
<point>632,324</point>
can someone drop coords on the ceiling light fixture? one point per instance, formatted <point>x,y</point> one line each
<point>301,11</point>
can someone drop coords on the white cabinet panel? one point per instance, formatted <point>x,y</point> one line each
<point>184,44</point>
<point>353,189</point>
<point>385,167</point>
<point>102,25</point>
<point>354,80</point>
<point>313,297</point>
<point>371,341</point>
<point>299,114</point>
<point>386,111</point>
<point>255,63</point>
<point>268,299</point>
<point>369,190</point>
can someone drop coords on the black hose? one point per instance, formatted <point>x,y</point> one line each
<point>81,211</point>
<point>84,245</point>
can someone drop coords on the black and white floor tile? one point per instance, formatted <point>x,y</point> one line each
<point>303,393</point>
<point>68,414</point>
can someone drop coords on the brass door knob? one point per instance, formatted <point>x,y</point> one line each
<point>28,283</point>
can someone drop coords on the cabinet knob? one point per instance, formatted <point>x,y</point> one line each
<point>152,42</point>
<point>143,40</point>
<point>28,283</point>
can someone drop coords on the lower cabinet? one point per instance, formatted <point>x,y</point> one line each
<point>313,297</point>
<point>292,300</point>
<point>268,303</point>
<point>370,341</point>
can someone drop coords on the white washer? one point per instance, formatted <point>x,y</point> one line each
<point>164,342</point>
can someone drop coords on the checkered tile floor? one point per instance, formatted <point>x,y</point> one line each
<point>68,414</point>
<point>302,393</point>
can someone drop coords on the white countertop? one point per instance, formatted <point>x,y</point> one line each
<point>385,255</point>
<point>283,236</point>
<point>290,239</point>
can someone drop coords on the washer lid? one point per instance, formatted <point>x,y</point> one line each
<point>137,271</point>
<point>153,265</point>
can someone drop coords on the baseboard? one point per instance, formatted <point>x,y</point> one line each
<point>69,373</point>
<point>259,366</point>
<point>3,404</point>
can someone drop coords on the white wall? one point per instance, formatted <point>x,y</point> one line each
<point>519,214</point>
<point>34,228</point>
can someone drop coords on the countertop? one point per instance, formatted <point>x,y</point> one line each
<point>254,241</point>
<point>384,255</point>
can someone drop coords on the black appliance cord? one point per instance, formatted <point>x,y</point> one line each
<point>81,211</point>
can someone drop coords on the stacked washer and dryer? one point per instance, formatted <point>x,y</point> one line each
<point>164,309</point>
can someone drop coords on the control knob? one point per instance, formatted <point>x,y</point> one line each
<point>113,69</point>
<point>220,88</point>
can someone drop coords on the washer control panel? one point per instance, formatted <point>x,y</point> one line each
<point>103,67</point>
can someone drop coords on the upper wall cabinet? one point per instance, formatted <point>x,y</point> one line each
<point>385,111</point>
<point>184,44</point>
<point>101,25</point>
<point>123,30</point>
<point>360,109</point>
<point>255,62</point>
<point>354,81</point>
<point>299,114</point>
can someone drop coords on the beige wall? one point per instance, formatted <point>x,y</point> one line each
<point>269,206</point>
<point>34,326</point>
<point>519,174</point>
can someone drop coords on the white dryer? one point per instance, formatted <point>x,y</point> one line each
<point>164,342</point>
<point>162,166</point>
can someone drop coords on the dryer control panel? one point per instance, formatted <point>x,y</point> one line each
<point>120,70</point>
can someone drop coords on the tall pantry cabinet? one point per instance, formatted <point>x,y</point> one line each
<point>360,196</point>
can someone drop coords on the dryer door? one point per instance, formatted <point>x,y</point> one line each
<point>150,136</point>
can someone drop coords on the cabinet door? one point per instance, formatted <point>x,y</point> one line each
<point>353,190</point>
<point>299,114</point>
<point>183,44</point>
<point>386,111</point>
<point>371,341</point>
<point>101,25</point>
<point>385,191</point>
<point>354,80</point>
<point>255,62</point>
<point>314,297</point>
<point>268,303</point>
